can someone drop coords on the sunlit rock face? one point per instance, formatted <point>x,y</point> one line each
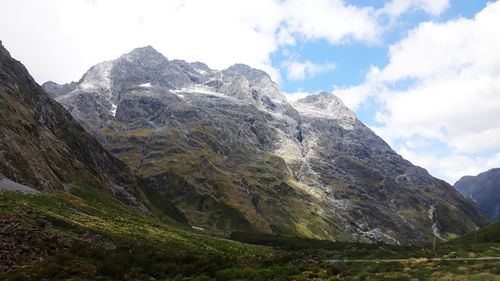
<point>233,154</point>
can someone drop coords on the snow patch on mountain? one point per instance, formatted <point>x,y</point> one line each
<point>198,89</point>
<point>201,71</point>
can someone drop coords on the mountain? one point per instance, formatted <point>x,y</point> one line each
<point>234,155</point>
<point>484,189</point>
<point>43,147</point>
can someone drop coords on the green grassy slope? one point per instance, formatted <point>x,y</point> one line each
<point>488,234</point>
<point>109,239</point>
<point>88,235</point>
<point>241,189</point>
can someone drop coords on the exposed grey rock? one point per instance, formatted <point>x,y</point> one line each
<point>9,185</point>
<point>326,106</point>
<point>484,189</point>
<point>57,90</point>
<point>233,154</point>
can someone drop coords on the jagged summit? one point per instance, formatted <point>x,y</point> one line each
<point>3,51</point>
<point>200,66</point>
<point>144,54</point>
<point>143,59</point>
<point>322,100</point>
<point>145,51</point>
<point>326,105</point>
<point>104,85</point>
<point>251,74</point>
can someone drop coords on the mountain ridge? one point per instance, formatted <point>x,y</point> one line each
<point>233,154</point>
<point>43,148</point>
<point>484,189</point>
<point>17,85</point>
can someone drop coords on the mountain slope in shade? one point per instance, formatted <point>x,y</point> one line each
<point>234,154</point>
<point>42,146</point>
<point>484,189</point>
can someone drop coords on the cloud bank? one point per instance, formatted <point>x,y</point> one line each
<point>59,40</point>
<point>442,87</point>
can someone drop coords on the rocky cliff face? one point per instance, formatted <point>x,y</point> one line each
<point>233,154</point>
<point>42,146</point>
<point>484,189</point>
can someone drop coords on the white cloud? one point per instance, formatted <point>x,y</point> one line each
<point>301,70</point>
<point>332,20</point>
<point>396,8</point>
<point>354,96</point>
<point>453,166</point>
<point>456,66</point>
<point>442,82</point>
<point>296,95</point>
<point>59,40</point>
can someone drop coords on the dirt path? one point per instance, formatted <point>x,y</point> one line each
<point>414,260</point>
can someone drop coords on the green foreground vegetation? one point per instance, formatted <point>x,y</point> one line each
<point>85,235</point>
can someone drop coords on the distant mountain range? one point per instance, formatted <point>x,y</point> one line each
<point>484,189</point>
<point>232,154</point>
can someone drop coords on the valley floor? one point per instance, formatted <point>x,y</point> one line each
<point>84,235</point>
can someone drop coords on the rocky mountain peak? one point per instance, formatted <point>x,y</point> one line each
<point>143,54</point>
<point>326,105</point>
<point>139,60</point>
<point>484,189</point>
<point>3,51</point>
<point>200,66</point>
<point>260,84</point>
<point>57,90</point>
<point>98,77</point>
<point>251,74</point>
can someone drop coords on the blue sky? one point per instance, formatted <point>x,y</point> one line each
<point>353,59</point>
<point>423,74</point>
